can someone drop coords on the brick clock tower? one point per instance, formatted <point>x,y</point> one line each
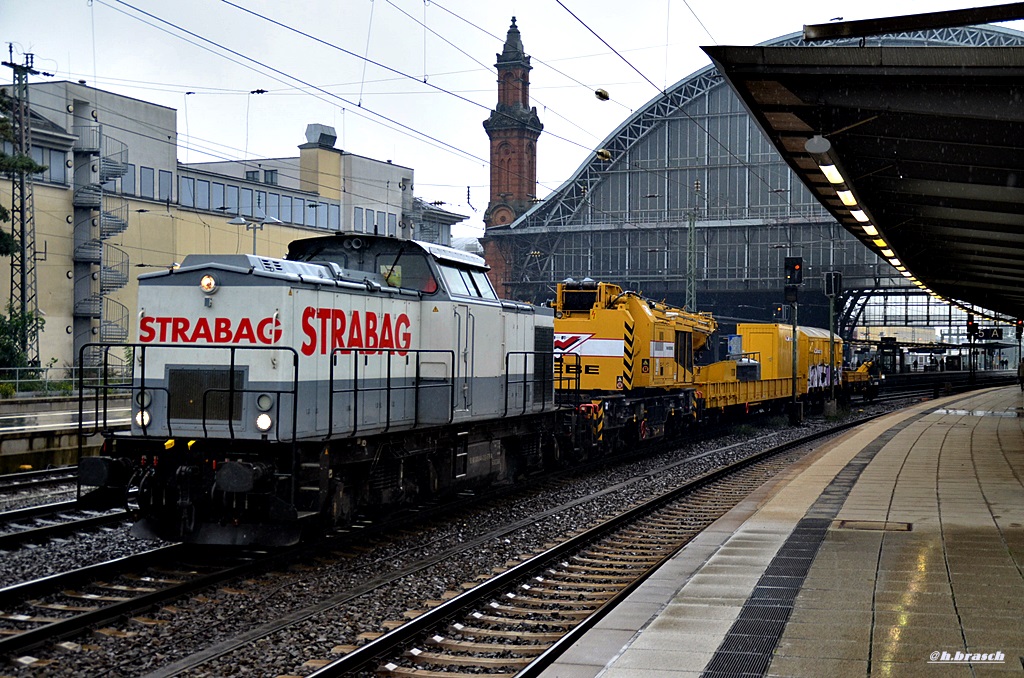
<point>513,129</point>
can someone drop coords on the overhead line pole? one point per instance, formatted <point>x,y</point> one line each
<point>23,258</point>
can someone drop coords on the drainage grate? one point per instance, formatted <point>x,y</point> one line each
<point>881,525</point>
<point>735,642</point>
<point>733,663</point>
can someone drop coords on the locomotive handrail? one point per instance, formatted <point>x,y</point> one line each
<point>546,378</point>
<point>388,387</point>
<point>572,379</point>
<point>139,355</point>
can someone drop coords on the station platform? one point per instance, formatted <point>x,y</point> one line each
<point>894,550</point>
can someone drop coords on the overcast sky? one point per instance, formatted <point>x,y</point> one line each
<point>431,83</point>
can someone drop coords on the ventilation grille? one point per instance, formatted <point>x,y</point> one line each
<point>188,387</point>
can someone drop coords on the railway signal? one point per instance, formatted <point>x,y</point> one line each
<point>1019,328</point>
<point>972,326</point>
<point>794,270</point>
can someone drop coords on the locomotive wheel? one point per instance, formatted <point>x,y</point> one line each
<point>553,452</point>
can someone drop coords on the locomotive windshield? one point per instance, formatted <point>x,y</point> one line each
<point>396,263</point>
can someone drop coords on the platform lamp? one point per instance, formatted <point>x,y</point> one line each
<point>253,224</point>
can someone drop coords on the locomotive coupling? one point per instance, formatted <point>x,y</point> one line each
<point>242,476</point>
<point>104,471</point>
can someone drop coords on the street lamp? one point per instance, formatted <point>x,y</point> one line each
<point>253,224</point>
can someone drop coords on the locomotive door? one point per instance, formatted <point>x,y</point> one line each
<point>465,335</point>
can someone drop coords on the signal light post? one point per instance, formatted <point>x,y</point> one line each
<point>833,286</point>
<point>972,332</point>
<point>794,278</point>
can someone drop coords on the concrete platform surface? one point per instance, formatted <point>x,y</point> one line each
<point>894,550</point>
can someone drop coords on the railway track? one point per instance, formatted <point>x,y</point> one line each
<point>67,604</point>
<point>26,480</point>
<point>36,524</point>
<point>517,622</point>
<point>571,585</point>
<point>574,603</point>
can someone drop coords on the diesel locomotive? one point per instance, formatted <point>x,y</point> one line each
<point>359,372</point>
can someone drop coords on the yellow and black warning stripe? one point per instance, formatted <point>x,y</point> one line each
<point>627,354</point>
<point>598,420</point>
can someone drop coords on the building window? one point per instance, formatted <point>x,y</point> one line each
<point>232,200</point>
<point>274,205</point>
<point>299,213</point>
<point>58,171</point>
<point>382,219</point>
<point>252,175</point>
<point>128,181</point>
<point>334,217</point>
<point>270,177</point>
<point>246,205</point>
<point>146,176</point>
<point>38,156</point>
<point>187,191</point>
<point>165,185</point>
<point>392,225</point>
<point>203,194</point>
<point>286,208</point>
<point>217,199</point>
<point>357,220</point>
<point>261,203</point>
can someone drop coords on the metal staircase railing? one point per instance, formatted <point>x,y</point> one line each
<point>114,322</point>
<point>113,216</point>
<point>114,269</point>
<point>90,252</point>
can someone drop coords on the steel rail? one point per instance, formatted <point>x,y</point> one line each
<point>367,656</point>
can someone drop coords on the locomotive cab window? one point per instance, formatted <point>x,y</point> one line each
<point>467,283</point>
<point>407,269</point>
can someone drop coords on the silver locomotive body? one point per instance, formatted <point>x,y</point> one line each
<point>359,372</point>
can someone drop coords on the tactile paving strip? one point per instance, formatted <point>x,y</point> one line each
<point>746,651</point>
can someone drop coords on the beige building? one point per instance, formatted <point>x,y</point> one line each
<point>114,202</point>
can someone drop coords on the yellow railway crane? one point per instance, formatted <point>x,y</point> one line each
<point>627,361</point>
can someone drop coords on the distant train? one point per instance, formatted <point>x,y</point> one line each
<point>635,360</point>
<point>270,396</point>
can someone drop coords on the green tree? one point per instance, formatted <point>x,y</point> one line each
<point>13,325</point>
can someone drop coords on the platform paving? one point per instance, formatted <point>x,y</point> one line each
<point>895,550</point>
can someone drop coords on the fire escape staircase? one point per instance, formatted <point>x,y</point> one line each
<point>112,220</point>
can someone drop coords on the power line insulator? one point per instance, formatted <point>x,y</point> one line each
<point>602,94</point>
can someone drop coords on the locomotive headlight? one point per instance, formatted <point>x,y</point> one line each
<point>208,284</point>
<point>264,422</point>
<point>143,399</point>
<point>142,418</point>
<point>264,402</point>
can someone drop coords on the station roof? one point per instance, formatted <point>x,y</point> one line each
<point>928,140</point>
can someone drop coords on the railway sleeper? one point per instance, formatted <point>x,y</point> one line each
<point>587,575</point>
<point>467,646</point>
<point>467,660</point>
<point>619,560</point>
<point>589,588</point>
<point>624,550</point>
<point>623,568</point>
<point>642,538</point>
<point>393,670</point>
<point>481,618</point>
<point>479,632</point>
<point>545,602</point>
<point>543,611</point>
<point>60,607</point>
